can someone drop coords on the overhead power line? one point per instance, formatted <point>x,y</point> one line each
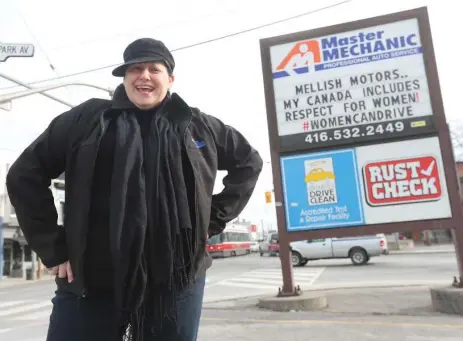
<point>201,42</point>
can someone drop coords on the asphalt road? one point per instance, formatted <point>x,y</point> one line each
<point>254,275</point>
<point>24,309</point>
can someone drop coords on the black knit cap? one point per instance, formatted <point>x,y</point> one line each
<point>145,50</point>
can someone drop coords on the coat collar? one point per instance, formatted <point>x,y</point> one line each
<point>174,107</point>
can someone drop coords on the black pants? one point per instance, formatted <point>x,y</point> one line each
<point>92,319</point>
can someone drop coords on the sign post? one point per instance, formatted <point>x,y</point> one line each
<point>15,50</point>
<point>358,135</point>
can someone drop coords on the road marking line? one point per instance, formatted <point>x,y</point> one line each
<point>25,308</point>
<point>6,330</point>
<point>278,275</point>
<point>255,280</point>
<point>249,285</point>
<point>320,272</point>
<point>33,316</point>
<point>278,281</point>
<point>268,278</point>
<point>11,303</point>
<point>338,322</point>
<point>300,270</point>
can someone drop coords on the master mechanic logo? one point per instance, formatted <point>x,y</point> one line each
<point>344,49</point>
<point>298,58</point>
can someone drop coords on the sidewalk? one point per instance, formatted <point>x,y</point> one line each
<point>421,249</point>
<point>9,282</point>
<point>404,301</point>
<point>382,314</point>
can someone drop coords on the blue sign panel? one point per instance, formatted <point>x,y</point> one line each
<point>322,190</point>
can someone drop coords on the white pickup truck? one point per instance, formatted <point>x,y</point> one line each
<point>358,249</point>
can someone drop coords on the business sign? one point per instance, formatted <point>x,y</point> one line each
<point>359,140</point>
<point>15,50</point>
<point>393,182</point>
<point>322,190</point>
<point>361,85</point>
<point>400,181</point>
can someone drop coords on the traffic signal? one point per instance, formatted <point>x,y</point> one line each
<point>268,197</point>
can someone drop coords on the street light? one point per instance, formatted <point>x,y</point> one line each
<point>6,106</point>
<point>6,99</point>
<point>14,80</point>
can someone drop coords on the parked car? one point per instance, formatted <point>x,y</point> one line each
<point>254,246</point>
<point>385,245</point>
<point>270,245</point>
<point>358,249</point>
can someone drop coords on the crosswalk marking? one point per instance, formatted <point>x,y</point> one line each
<point>11,303</point>
<point>277,275</point>
<point>25,308</point>
<point>253,280</point>
<point>249,285</point>
<point>269,279</point>
<point>34,316</point>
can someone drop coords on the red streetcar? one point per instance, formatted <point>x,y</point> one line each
<point>235,240</point>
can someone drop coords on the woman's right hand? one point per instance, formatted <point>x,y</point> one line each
<point>63,270</point>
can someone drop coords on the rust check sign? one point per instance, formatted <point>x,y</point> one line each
<point>15,50</point>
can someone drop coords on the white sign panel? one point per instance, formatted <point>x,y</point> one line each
<point>15,50</point>
<point>368,84</point>
<point>403,181</point>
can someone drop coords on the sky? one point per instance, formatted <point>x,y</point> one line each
<point>222,78</point>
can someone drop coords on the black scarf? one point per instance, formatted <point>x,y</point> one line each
<point>152,235</point>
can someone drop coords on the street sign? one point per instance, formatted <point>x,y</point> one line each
<point>15,50</point>
<point>358,135</point>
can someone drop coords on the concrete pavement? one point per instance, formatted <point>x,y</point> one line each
<point>227,325</point>
<point>253,275</point>
<point>432,249</point>
<point>262,275</point>
<point>25,308</point>
<point>399,314</point>
<point>395,301</point>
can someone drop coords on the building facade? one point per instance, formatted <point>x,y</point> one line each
<point>16,253</point>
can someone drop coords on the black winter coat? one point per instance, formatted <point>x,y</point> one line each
<point>70,144</point>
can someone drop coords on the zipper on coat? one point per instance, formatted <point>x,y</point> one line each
<point>83,293</point>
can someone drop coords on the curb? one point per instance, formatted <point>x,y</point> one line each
<point>8,283</point>
<point>378,285</point>
<point>447,300</point>
<point>342,286</point>
<point>233,298</point>
<point>398,253</point>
